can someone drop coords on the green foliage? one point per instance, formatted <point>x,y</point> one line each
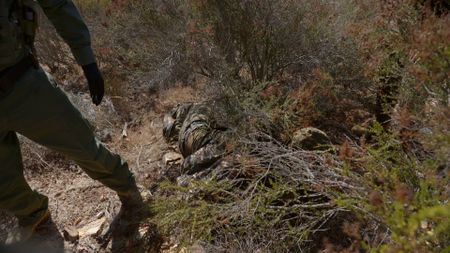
<point>192,219</point>
<point>194,213</point>
<point>255,210</point>
<point>406,197</point>
<point>407,50</point>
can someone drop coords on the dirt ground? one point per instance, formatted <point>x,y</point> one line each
<point>75,200</point>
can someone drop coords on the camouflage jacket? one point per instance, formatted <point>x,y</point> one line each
<point>193,126</point>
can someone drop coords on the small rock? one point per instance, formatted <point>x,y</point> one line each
<point>172,158</point>
<point>184,180</point>
<point>92,228</point>
<point>424,224</point>
<point>71,234</point>
<point>426,131</point>
<point>310,138</point>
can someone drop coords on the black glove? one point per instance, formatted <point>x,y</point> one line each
<point>95,81</point>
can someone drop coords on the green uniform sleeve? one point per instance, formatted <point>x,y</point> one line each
<point>70,26</point>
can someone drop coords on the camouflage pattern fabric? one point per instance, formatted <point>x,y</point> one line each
<point>200,139</point>
<point>173,121</point>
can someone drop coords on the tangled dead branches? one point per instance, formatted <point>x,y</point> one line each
<point>269,193</point>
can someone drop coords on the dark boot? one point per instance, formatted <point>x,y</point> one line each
<point>27,228</point>
<point>124,229</point>
<point>133,207</point>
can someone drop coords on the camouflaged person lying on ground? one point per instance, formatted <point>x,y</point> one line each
<point>201,139</point>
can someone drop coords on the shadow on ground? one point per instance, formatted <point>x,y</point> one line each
<point>46,240</point>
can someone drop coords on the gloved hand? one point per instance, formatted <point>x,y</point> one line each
<point>95,81</point>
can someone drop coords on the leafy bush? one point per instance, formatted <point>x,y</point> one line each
<point>407,195</point>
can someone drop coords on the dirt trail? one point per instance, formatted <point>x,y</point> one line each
<point>75,199</point>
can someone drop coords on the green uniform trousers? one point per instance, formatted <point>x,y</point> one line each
<point>39,110</point>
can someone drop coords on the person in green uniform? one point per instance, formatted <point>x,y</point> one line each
<point>32,105</point>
